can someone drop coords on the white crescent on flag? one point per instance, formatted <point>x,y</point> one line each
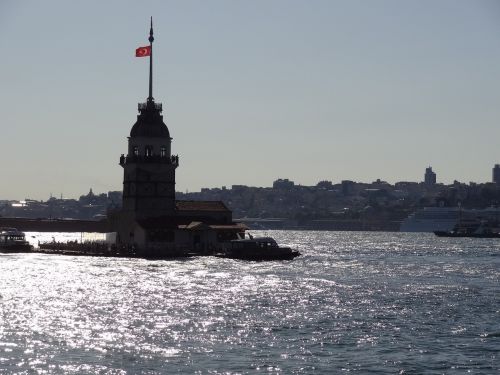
<point>143,51</point>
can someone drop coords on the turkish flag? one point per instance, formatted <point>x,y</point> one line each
<point>143,51</point>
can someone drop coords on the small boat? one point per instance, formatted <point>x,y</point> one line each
<point>482,231</point>
<point>258,248</point>
<point>13,241</point>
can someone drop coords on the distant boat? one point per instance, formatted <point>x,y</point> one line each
<point>13,241</point>
<point>482,231</point>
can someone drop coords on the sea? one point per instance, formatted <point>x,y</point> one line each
<point>354,302</point>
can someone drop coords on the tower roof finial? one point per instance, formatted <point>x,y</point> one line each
<point>151,31</point>
<point>151,39</point>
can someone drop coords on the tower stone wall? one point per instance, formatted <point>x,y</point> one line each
<point>149,167</point>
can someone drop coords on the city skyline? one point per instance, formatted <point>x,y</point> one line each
<point>251,91</point>
<point>279,181</point>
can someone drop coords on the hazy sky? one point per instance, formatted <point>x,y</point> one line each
<point>251,91</point>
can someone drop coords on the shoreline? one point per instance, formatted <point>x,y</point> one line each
<point>105,226</point>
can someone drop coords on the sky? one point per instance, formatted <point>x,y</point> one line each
<point>252,91</point>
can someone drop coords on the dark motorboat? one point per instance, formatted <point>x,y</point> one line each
<point>482,231</point>
<point>453,233</point>
<point>13,241</point>
<point>258,248</point>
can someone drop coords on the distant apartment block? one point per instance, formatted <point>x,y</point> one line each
<point>348,187</point>
<point>496,174</point>
<point>429,177</point>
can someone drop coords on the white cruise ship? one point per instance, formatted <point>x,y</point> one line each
<point>430,219</point>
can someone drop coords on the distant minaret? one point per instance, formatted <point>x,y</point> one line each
<point>429,177</point>
<point>149,167</point>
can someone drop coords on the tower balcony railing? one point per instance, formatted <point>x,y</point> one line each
<point>143,106</point>
<point>131,159</point>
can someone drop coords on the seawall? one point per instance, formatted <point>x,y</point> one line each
<point>55,225</point>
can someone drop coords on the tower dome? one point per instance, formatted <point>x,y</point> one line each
<point>150,122</point>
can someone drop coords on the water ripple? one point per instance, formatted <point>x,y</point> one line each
<point>366,302</point>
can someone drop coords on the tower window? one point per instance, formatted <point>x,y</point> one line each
<point>148,151</point>
<point>136,150</point>
<point>163,151</point>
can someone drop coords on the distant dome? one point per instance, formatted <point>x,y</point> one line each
<point>150,124</point>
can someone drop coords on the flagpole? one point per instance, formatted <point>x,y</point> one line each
<point>151,39</point>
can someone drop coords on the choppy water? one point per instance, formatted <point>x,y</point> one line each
<point>359,302</point>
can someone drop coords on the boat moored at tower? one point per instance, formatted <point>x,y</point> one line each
<point>13,241</point>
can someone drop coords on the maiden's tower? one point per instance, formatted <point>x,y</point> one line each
<point>152,221</point>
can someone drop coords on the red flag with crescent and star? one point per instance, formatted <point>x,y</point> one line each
<point>143,51</point>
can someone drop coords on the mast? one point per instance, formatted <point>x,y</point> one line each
<point>151,39</point>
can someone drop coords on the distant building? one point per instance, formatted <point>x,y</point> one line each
<point>496,174</point>
<point>283,184</point>
<point>430,176</point>
<point>378,183</point>
<point>347,187</point>
<point>239,187</point>
<point>115,198</point>
<point>327,185</point>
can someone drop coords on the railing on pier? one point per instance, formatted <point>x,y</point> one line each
<point>143,106</point>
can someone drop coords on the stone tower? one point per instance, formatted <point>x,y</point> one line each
<point>149,167</point>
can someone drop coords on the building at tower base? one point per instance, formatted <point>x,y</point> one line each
<point>201,227</point>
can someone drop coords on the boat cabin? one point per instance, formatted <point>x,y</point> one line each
<point>11,235</point>
<point>252,243</point>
